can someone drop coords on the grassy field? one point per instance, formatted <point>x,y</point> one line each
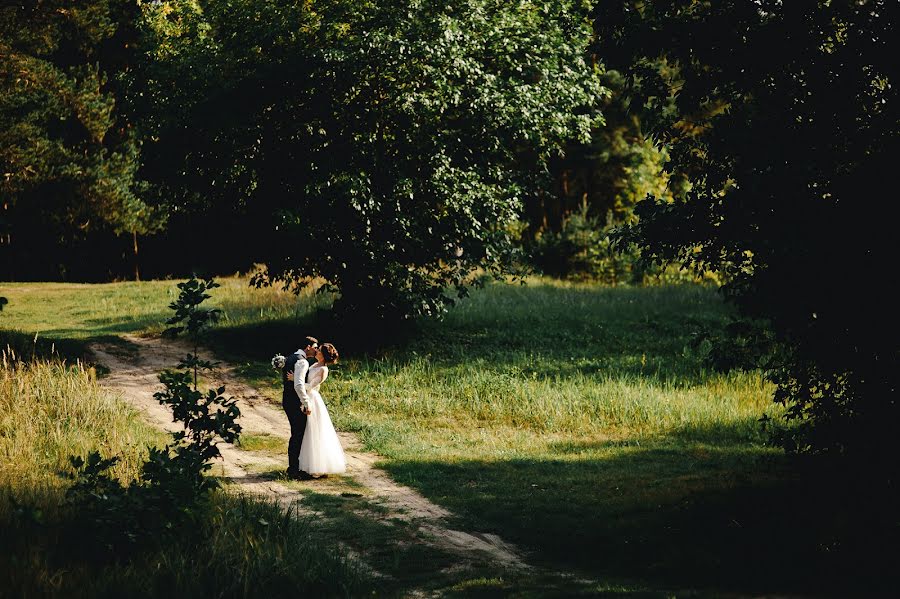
<point>572,419</point>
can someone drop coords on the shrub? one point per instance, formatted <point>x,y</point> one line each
<point>581,250</point>
<point>585,248</point>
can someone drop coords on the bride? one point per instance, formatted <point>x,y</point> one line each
<point>321,452</point>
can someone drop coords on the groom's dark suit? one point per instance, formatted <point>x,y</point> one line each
<point>290,401</point>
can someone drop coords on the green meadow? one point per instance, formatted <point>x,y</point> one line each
<point>574,420</point>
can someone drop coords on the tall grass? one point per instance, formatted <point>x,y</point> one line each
<point>243,305</point>
<point>621,406</point>
<point>554,360</point>
<point>50,410</point>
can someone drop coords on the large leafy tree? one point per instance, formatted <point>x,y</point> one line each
<point>68,160</point>
<point>785,118</point>
<point>386,146</point>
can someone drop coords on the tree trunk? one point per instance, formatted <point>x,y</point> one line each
<point>137,268</point>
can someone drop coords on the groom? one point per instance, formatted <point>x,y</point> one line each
<point>295,402</point>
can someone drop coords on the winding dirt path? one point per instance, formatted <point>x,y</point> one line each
<point>133,374</point>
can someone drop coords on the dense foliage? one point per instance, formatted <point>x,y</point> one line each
<point>425,152</point>
<point>385,147</point>
<point>68,159</point>
<point>566,230</point>
<point>619,166</point>
<point>785,118</point>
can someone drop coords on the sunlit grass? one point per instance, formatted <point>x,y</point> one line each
<point>82,311</point>
<point>516,365</point>
<point>52,410</point>
<point>475,396</point>
<point>262,442</point>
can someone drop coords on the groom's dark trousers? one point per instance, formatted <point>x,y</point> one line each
<point>290,401</point>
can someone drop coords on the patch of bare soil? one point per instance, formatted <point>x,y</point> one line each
<point>133,375</point>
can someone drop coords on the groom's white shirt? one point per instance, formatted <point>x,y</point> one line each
<point>300,370</point>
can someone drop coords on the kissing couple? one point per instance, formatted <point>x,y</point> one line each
<point>314,450</point>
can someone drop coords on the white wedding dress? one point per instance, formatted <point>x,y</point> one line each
<point>321,451</point>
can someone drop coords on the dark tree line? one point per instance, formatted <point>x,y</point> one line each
<point>210,105</point>
<point>388,149</point>
<point>784,117</point>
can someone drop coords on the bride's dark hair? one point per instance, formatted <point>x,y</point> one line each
<point>329,352</point>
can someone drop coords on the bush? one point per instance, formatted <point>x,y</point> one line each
<point>581,250</point>
<point>235,547</point>
<point>585,248</point>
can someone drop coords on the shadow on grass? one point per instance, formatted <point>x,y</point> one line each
<point>72,344</point>
<point>28,346</point>
<point>234,547</point>
<point>260,341</point>
<point>741,434</point>
<point>108,325</point>
<point>111,325</point>
<point>670,518</point>
<point>392,547</point>
<point>748,430</point>
<point>396,548</point>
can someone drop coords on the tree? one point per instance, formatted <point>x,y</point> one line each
<point>786,122</point>
<point>205,417</point>
<point>597,186</point>
<point>190,318</point>
<point>382,146</point>
<point>68,161</point>
<point>606,177</point>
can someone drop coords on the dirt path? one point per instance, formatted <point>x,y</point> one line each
<point>133,374</point>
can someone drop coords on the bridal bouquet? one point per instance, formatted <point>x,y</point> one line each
<point>278,362</point>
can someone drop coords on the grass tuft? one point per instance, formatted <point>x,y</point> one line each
<point>51,410</point>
